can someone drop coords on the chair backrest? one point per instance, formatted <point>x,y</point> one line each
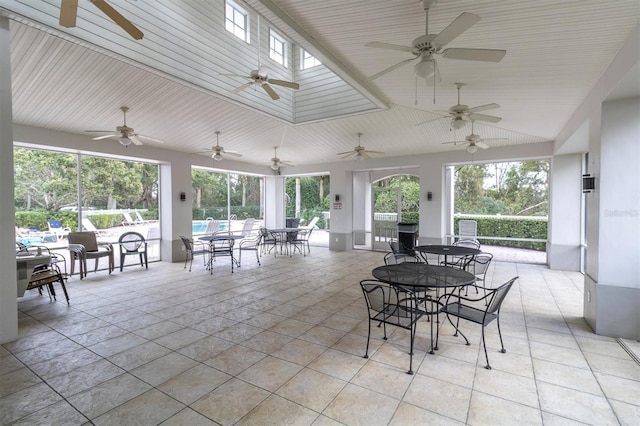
<point>188,244</point>
<point>88,225</point>
<point>313,222</point>
<point>128,220</point>
<point>379,296</point>
<point>247,227</point>
<point>467,243</point>
<point>467,229</point>
<point>212,227</point>
<point>139,217</point>
<point>479,264</point>
<point>498,295</point>
<point>86,238</point>
<point>131,241</point>
<point>54,224</point>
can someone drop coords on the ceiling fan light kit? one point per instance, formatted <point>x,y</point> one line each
<point>472,148</point>
<point>125,141</point>
<point>124,134</point>
<point>359,151</point>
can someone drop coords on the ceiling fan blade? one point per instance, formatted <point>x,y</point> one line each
<point>454,142</point>
<point>461,24</point>
<point>365,154</point>
<point>392,68</point>
<point>68,13</point>
<point>374,152</point>
<point>116,17</point>
<point>483,107</point>
<point>389,46</point>
<point>283,83</point>
<point>484,55</point>
<point>135,140</point>
<point>233,153</point>
<point>482,145</point>
<point>97,138</point>
<point>241,88</point>
<point>148,138</point>
<point>270,91</point>
<point>483,117</point>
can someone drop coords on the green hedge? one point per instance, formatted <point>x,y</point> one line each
<point>509,227</point>
<point>38,219</point>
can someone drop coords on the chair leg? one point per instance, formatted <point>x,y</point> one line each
<point>486,355</point>
<point>258,258</point>
<point>413,338</point>
<point>122,256</point>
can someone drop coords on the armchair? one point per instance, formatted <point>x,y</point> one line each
<point>455,307</point>
<point>84,245</point>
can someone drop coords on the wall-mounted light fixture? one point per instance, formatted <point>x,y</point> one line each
<point>337,198</point>
<point>183,196</point>
<point>588,183</point>
<point>429,196</point>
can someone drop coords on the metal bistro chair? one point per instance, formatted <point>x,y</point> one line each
<point>133,244</point>
<point>398,256</point>
<point>268,240</point>
<point>483,316</point>
<point>461,262</point>
<point>192,251</point>
<point>387,304</point>
<point>249,244</point>
<point>478,266</point>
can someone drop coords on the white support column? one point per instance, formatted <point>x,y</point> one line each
<point>274,208</point>
<point>176,214</point>
<point>341,235</point>
<point>433,213</point>
<point>565,195</point>
<point>8,278</point>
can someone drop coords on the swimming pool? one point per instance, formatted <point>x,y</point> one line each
<point>200,226</point>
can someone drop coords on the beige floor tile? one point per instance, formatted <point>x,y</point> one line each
<point>108,395</point>
<point>230,402</point>
<point>157,330</point>
<point>181,338</point>
<point>206,348</point>
<point>299,352</point>
<point>267,341</point>
<point>620,389</point>
<point>449,370</point>
<point>152,407</point>
<point>507,386</point>
<point>566,376</point>
<point>188,417</point>
<point>580,406</point>
<point>550,419</point>
<point>628,414</point>
<point>193,384</point>
<point>609,348</point>
<point>322,335</point>
<point>270,373</point>
<point>383,378</point>
<point>408,414</point>
<point>338,364</point>
<point>117,344</point>
<point>27,401</point>
<point>490,410</point>
<point>10,363</point>
<point>84,377</point>
<point>559,354</point>
<point>162,369</point>
<point>613,366</point>
<point>398,356</point>
<point>59,413</point>
<point>291,327</point>
<point>279,411</point>
<point>17,380</point>
<point>355,344</point>
<point>47,351</point>
<point>32,341</point>
<point>311,389</point>
<point>357,405</point>
<point>138,355</point>
<point>440,397</point>
<point>235,359</point>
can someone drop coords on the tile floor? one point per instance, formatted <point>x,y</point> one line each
<point>283,344</point>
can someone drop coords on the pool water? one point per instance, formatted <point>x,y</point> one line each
<point>200,226</point>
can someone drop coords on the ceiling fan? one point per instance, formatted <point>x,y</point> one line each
<point>428,45</point>
<point>125,134</point>
<point>473,141</point>
<point>359,151</point>
<point>69,13</point>
<point>460,114</point>
<point>218,150</point>
<point>260,77</point>
<point>276,163</point>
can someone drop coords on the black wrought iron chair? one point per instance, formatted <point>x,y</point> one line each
<point>193,249</point>
<point>133,244</point>
<point>301,241</point>
<point>461,261</point>
<point>249,244</point>
<point>398,256</point>
<point>478,266</point>
<point>485,315</point>
<point>268,240</point>
<point>387,304</point>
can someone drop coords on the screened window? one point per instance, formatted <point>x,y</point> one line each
<point>277,48</point>
<point>236,21</point>
<point>308,60</point>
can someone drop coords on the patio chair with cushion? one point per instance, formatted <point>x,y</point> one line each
<point>84,245</point>
<point>193,249</point>
<point>454,306</point>
<point>133,244</point>
<point>55,227</point>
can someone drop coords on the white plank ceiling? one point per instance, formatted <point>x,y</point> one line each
<point>76,79</point>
